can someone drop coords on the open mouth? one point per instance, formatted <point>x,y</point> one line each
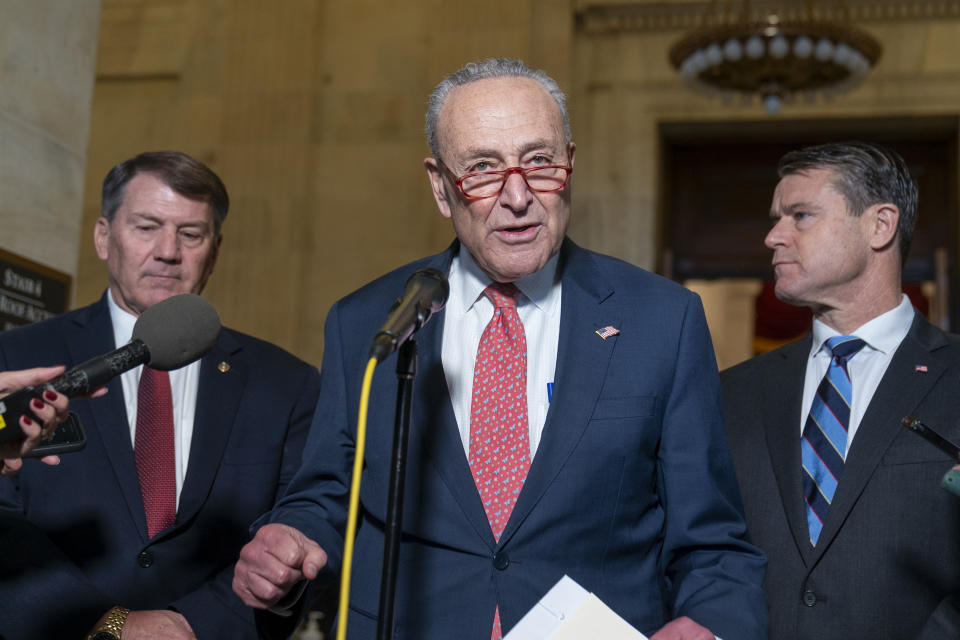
<point>519,232</point>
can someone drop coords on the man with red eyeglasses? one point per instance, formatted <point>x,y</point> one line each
<point>566,418</point>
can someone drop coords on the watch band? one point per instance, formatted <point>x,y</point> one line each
<point>112,627</point>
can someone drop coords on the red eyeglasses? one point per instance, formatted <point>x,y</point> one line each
<point>489,184</point>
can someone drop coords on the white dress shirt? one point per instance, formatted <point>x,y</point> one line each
<point>183,386</point>
<point>467,314</point>
<point>882,336</point>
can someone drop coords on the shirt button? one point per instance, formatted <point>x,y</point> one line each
<point>145,559</point>
<point>501,561</point>
<point>809,598</point>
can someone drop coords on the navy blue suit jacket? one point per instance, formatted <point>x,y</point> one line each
<point>631,491</point>
<point>887,563</point>
<point>77,533</point>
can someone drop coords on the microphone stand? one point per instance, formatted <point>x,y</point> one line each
<point>406,372</point>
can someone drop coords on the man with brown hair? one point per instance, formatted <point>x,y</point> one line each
<point>139,531</point>
<point>861,542</point>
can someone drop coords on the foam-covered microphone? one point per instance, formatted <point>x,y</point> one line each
<point>168,335</point>
<point>425,293</point>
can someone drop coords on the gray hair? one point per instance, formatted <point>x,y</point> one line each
<point>490,68</point>
<point>867,174</point>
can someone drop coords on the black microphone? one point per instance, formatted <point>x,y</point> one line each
<point>425,293</point>
<point>168,335</point>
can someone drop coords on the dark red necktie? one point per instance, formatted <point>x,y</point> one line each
<point>154,451</point>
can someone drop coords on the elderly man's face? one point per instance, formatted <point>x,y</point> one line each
<point>159,244</point>
<point>492,125</point>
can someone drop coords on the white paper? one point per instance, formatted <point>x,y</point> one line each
<point>568,611</point>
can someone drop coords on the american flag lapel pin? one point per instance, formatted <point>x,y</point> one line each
<point>920,368</point>
<point>607,331</point>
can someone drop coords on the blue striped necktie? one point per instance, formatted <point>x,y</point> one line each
<point>824,444</point>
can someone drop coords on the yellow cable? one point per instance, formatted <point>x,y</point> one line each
<point>354,501</point>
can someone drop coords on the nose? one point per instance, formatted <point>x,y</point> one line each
<point>167,246</point>
<point>516,195</point>
<point>776,237</point>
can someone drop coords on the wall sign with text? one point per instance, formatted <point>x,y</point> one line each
<point>30,291</point>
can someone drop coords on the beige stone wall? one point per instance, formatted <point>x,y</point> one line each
<point>47,53</point>
<point>312,113</point>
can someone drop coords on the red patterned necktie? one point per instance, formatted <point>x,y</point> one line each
<point>499,431</point>
<point>153,449</point>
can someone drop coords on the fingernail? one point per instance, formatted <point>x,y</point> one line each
<point>27,420</point>
<point>36,403</point>
<point>50,395</point>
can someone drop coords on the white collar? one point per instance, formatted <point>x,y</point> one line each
<point>539,287</point>
<point>883,333</point>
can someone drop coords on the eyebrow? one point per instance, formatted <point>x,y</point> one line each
<point>478,152</point>
<point>152,217</point>
<point>538,144</point>
<point>533,145</point>
<point>795,206</point>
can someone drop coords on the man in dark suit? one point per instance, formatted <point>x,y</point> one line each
<point>861,542</point>
<point>118,539</point>
<point>565,421</point>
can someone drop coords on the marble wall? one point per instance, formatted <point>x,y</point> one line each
<point>47,55</point>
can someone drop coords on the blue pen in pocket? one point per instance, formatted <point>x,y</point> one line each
<point>549,392</point>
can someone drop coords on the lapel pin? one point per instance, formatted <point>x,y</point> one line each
<point>607,331</point>
<point>223,367</point>
<point>920,368</point>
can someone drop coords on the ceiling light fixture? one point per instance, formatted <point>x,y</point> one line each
<point>774,53</point>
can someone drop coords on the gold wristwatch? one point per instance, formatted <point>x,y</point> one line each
<point>112,627</point>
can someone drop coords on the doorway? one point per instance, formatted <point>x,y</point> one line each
<point>717,182</point>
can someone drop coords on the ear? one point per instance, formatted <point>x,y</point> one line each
<point>101,237</point>
<point>570,149</point>
<point>883,220</point>
<point>437,186</point>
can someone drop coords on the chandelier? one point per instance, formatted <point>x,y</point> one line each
<point>775,53</point>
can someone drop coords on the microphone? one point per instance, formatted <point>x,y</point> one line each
<point>425,293</point>
<point>168,335</point>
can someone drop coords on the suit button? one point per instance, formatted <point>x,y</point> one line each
<point>809,598</point>
<point>501,560</point>
<point>145,559</point>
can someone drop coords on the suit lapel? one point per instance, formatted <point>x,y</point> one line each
<point>223,376</point>
<point>900,391</point>
<point>446,447</point>
<point>782,397</point>
<point>582,361</point>
<point>91,336</point>
<point>434,424</point>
